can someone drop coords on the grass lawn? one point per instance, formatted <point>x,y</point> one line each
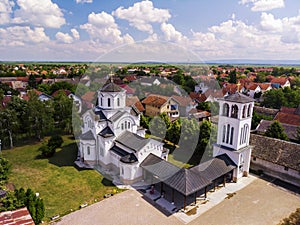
<point>62,186</point>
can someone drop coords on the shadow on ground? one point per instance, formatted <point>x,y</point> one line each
<point>66,156</point>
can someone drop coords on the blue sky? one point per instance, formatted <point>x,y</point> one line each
<point>84,30</point>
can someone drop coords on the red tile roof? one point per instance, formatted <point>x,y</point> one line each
<point>88,96</point>
<point>155,100</point>
<point>16,217</point>
<point>287,118</point>
<point>198,97</point>
<point>279,80</point>
<point>134,100</point>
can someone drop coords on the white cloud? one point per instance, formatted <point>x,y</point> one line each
<point>269,23</point>
<point>171,34</point>
<point>142,14</point>
<point>263,5</point>
<point>5,11</point>
<point>84,1</point>
<point>43,13</point>
<point>75,34</point>
<point>102,28</point>
<point>64,37</point>
<point>18,35</point>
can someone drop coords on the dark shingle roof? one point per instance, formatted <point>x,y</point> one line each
<point>187,181</point>
<point>106,132</point>
<point>111,87</point>
<point>214,168</point>
<point>116,116</point>
<point>238,97</point>
<point>119,151</point>
<point>273,150</point>
<point>159,167</point>
<point>126,157</point>
<point>101,115</point>
<point>87,136</point>
<point>132,141</point>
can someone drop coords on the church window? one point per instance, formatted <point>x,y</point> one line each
<point>88,150</point>
<point>234,111</point>
<point>249,110</point>
<point>125,125</point>
<point>246,129</point>
<point>244,111</point>
<point>128,125</point>
<point>108,102</point>
<point>241,136</point>
<point>231,135</point>
<point>122,170</point>
<point>227,135</point>
<point>101,101</point>
<point>224,133</point>
<point>122,126</point>
<point>118,102</point>
<point>226,110</point>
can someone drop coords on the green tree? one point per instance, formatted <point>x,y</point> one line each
<point>47,151</point>
<point>274,99</point>
<point>8,125</point>
<point>158,127</point>
<point>232,77</point>
<point>173,132</point>
<point>275,130</point>
<point>62,106</point>
<point>55,141</point>
<point>4,169</point>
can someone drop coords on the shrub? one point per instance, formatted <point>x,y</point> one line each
<point>47,151</point>
<point>4,169</point>
<point>55,141</point>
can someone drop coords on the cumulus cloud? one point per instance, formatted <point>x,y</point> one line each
<point>101,27</point>
<point>269,23</point>
<point>5,11</point>
<point>18,35</point>
<point>75,34</point>
<point>171,34</point>
<point>142,14</point>
<point>43,13</point>
<point>263,5</point>
<point>64,37</point>
<point>84,1</point>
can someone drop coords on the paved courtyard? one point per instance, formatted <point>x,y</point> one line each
<point>257,203</point>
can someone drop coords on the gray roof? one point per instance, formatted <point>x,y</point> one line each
<point>87,136</point>
<point>158,167</point>
<point>111,87</point>
<point>117,116</point>
<point>132,141</point>
<point>215,167</point>
<point>277,151</point>
<point>106,132</point>
<point>238,97</point>
<point>290,130</point>
<point>101,115</point>
<point>187,181</point>
<point>126,157</point>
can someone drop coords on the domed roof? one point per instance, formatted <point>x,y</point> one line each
<point>238,97</point>
<point>111,87</point>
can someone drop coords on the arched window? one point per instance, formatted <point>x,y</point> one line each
<point>108,102</point>
<point>125,125</point>
<point>88,150</point>
<point>249,110</point>
<point>225,109</point>
<point>246,130</point>
<point>227,135</point>
<point>122,126</point>
<point>101,101</point>
<point>244,111</point>
<point>224,133</point>
<point>118,101</point>
<point>241,136</point>
<point>234,111</point>
<point>231,135</point>
<point>128,125</point>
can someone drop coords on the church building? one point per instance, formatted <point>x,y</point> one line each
<point>112,137</point>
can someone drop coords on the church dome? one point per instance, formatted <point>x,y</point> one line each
<point>111,87</point>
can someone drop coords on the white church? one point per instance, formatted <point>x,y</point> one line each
<point>113,139</point>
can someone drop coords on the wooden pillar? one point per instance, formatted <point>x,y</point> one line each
<point>205,192</point>
<point>184,205</point>
<point>172,194</point>
<point>224,180</point>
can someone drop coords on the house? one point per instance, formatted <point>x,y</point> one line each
<point>276,158</point>
<point>112,139</point>
<point>149,81</point>
<point>41,96</point>
<point>185,104</point>
<point>134,101</point>
<point>16,217</point>
<point>266,111</point>
<point>281,82</point>
<point>253,89</point>
<point>290,130</point>
<point>289,116</point>
<point>158,104</point>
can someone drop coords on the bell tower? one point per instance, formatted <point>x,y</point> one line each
<point>234,126</point>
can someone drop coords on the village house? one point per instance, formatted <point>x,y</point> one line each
<point>289,116</point>
<point>280,82</point>
<point>276,158</point>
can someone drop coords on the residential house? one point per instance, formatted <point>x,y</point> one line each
<point>280,82</point>
<point>16,217</point>
<point>289,116</point>
<point>158,104</point>
<point>149,81</point>
<point>185,104</point>
<point>253,89</point>
<point>276,158</point>
<point>134,101</point>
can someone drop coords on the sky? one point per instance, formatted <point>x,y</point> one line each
<point>91,30</point>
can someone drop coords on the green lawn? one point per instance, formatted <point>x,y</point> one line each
<point>62,186</point>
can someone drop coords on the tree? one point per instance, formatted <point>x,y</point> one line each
<point>46,151</point>
<point>55,141</point>
<point>232,77</point>
<point>173,132</point>
<point>275,130</point>
<point>4,169</point>
<point>62,106</point>
<point>9,124</point>
<point>158,127</point>
<point>204,106</point>
<point>274,99</point>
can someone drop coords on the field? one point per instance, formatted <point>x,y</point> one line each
<point>62,186</point>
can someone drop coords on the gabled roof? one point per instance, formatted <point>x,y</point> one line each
<point>106,132</point>
<point>134,100</point>
<point>87,136</point>
<point>187,181</point>
<point>16,217</point>
<point>287,118</point>
<point>101,115</point>
<point>155,100</point>
<point>111,87</point>
<point>279,80</point>
<point>277,151</point>
<point>117,116</point>
<point>132,141</point>
<point>183,100</point>
<point>238,97</point>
